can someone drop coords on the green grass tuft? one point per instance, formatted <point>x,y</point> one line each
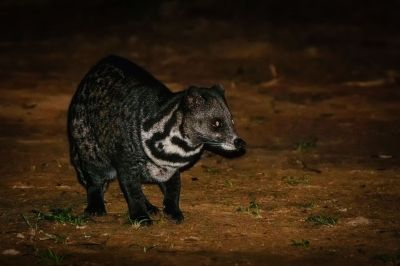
<point>50,257</point>
<point>253,209</point>
<point>309,205</point>
<point>304,243</point>
<point>322,220</point>
<point>29,223</point>
<point>296,180</point>
<point>307,144</point>
<point>257,120</point>
<point>210,170</point>
<point>62,215</point>
<point>394,259</point>
<point>228,183</point>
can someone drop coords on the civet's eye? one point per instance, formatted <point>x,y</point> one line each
<point>233,122</point>
<point>216,123</point>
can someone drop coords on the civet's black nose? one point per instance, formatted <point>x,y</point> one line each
<point>239,144</point>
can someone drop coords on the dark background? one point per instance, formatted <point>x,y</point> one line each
<point>361,33</point>
<point>37,19</point>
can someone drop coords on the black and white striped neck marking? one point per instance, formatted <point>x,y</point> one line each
<point>165,145</point>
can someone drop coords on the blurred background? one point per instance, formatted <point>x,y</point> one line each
<point>317,40</point>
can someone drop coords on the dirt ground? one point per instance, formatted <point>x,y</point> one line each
<point>318,105</point>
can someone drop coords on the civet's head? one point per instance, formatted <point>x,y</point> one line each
<point>207,119</point>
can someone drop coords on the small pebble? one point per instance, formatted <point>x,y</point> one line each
<point>10,252</point>
<point>358,221</point>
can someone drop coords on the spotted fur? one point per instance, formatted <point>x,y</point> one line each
<point>125,124</point>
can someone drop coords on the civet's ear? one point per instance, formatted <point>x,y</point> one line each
<point>193,98</point>
<point>219,89</point>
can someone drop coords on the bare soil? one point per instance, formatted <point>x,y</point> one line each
<point>317,145</point>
